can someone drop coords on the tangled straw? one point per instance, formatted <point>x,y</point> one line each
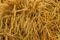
<point>29,19</point>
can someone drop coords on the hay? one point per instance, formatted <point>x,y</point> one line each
<point>29,19</point>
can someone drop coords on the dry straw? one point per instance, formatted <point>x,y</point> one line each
<point>29,19</point>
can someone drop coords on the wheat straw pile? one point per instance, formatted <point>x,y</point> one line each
<point>29,19</point>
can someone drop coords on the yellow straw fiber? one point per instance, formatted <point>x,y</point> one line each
<point>29,19</point>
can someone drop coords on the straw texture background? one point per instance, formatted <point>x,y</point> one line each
<point>29,19</point>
